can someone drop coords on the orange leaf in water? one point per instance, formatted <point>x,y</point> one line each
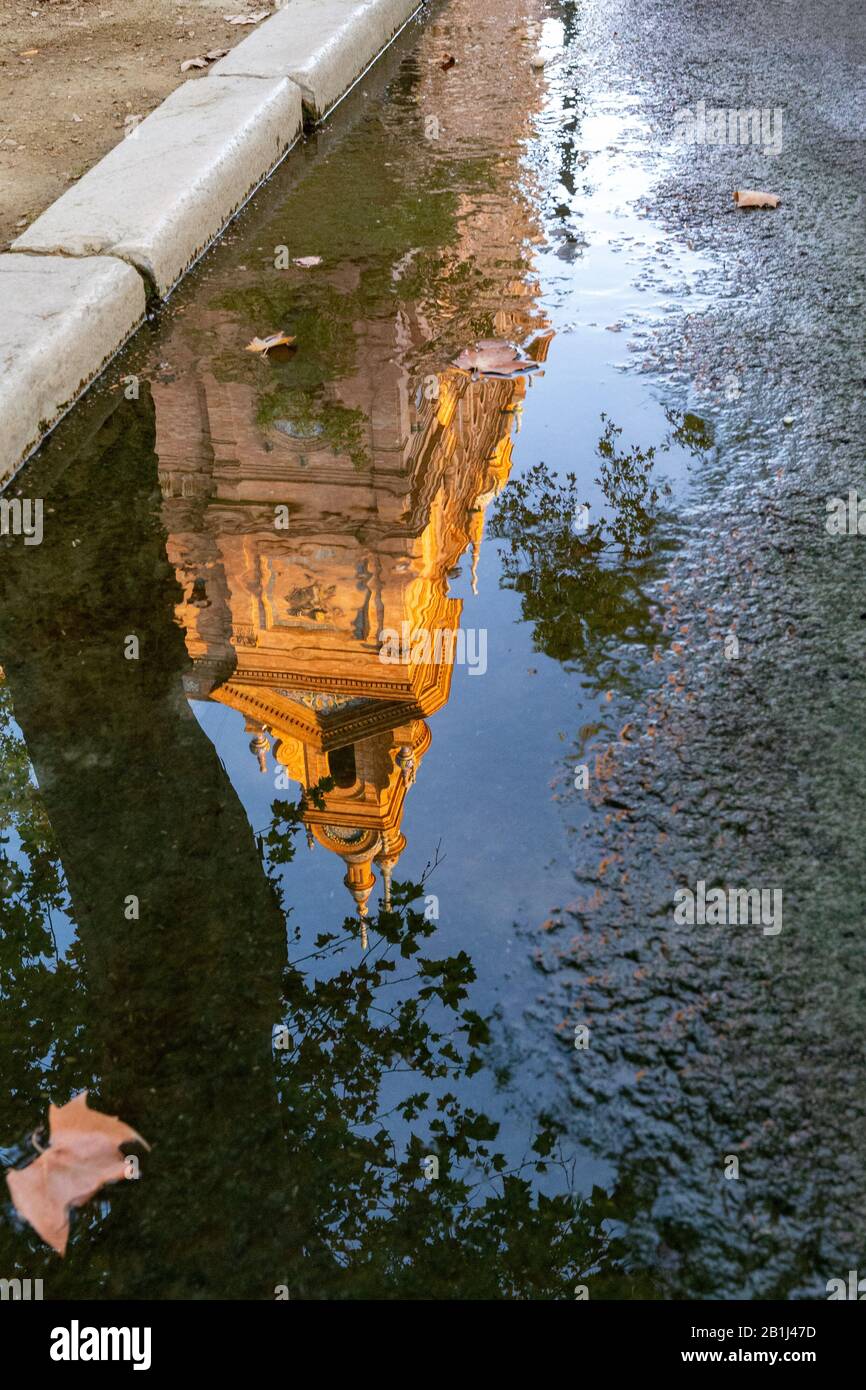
<point>82,1156</point>
<point>754,198</point>
<point>265,344</point>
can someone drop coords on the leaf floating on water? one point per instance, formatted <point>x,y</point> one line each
<point>492,357</point>
<point>540,346</point>
<point>305,262</point>
<point>83,1155</point>
<point>275,340</point>
<point>754,198</point>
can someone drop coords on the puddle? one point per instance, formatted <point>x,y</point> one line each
<point>234,542</point>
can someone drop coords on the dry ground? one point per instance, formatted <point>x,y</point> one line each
<point>98,63</point>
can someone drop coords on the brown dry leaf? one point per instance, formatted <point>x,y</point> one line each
<point>754,198</point>
<point>305,262</point>
<point>448,61</point>
<point>492,357</point>
<point>82,1156</point>
<point>246,18</point>
<point>193,63</point>
<point>273,341</point>
<point>540,346</point>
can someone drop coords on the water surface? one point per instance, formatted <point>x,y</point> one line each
<point>320,925</point>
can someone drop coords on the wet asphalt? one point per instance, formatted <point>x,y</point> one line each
<point>713,1042</point>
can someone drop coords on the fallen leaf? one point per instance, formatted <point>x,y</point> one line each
<point>246,18</point>
<point>193,63</point>
<point>754,198</point>
<point>492,357</point>
<point>448,61</point>
<point>273,341</point>
<point>305,262</point>
<point>83,1154</point>
<point>215,54</point>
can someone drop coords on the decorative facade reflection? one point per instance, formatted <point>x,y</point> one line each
<point>294,561</point>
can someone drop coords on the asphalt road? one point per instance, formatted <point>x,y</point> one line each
<point>748,771</point>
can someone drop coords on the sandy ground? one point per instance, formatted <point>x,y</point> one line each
<point>98,64</point>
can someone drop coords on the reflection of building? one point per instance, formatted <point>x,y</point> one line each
<point>284,624</point>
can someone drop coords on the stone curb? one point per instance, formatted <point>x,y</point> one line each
<point>63,320</point>
<point>160,198</point>
<point>324,46</point>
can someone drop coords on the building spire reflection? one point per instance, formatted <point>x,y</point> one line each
<point>305,527</point>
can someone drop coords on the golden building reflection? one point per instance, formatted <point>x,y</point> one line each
<point>297,552</point>
<point>285,624</point>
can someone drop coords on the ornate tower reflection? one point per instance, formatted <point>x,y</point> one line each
<point>285,625</point>
<point>306,521</point>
